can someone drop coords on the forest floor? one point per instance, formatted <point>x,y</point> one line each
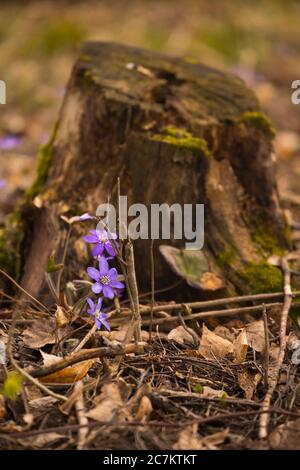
<point>169,392</point>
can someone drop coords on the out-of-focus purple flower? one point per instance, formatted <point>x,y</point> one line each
<point>101,240</point>
<point>86,216</point>
<point>2,184</point>
<point>9,142</point>
<point>77,218</point>
<point>106,279</point>
<point>95,311</point>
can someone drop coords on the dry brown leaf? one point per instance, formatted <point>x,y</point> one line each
<point>134,401</point>
<point>49,359</point>
<point>189,439</point>
<point>292,341</point>
<point>42,332</point>
<point>256,335</point>
<point>62,319</point>
<point>42,440</point>
<point>211,442</point>
<point>209,392</point>
<point>68,375</point>
<point>248,383</point>
<point>286,436</point>
<point>41,404</point>
<point>10,426</point>
<point>144,410</point>
<point>111,401</point>
<point>240,348</point>
<point>28,418</point>
<point>224,332</point>
<point>119,335</point>
<point>211,281</point>
<point>180,335</point>
<point>213,346</point>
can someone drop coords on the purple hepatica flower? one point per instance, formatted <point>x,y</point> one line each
<point>2,184</point>
<point>9,142</point>
<point>95,311</point>
<point>106,279</point>
<point>101,240</point>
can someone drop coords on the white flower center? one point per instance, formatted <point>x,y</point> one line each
<point>105,280</point>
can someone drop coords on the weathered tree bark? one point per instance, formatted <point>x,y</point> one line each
<point>174,131</point>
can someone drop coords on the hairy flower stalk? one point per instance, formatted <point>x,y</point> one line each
<point>129,256</point>
<point>106,282</point>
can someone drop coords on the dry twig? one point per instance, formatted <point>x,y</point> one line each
<point>266,351</point>
<point>82,419</point>
<point>288,296</point>
<point>129,258</point>
<point>83,356</point>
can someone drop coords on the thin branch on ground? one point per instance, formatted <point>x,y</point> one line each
<point>218,313</point>
<point>152,273</point>
<point>129,258</point>
<point>84,356</point>
<point>214,303</point>
<point>82,419</point>
<point>288,296</point>
<point>267,346</point>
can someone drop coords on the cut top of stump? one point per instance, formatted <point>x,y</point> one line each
<point>192,90</point>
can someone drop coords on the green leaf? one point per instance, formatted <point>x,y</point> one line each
<point>52,267</point>
<point>12,385</point>
<point>188,264</point>
<point>198,388</point>
<point>192,266</point>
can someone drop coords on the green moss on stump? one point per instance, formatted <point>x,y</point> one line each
<point>226,258</point>
<point>11,238</point>
<point>6,255</point>
<point>262,277</point>
<point>184,140</point>
<point>44,164</point>
<point>258,120</point>
<point>266,241</point>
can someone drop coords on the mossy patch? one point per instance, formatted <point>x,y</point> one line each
<point>262,277</point>
<point>11,238</point>
<point>7,259</point>
<point>258,120</point>
<point>183,140</point>
<point>44,164</point>
<point>266,241</point>
<point>226,258</point>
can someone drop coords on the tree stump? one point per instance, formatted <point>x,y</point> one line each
<point>174,131</point>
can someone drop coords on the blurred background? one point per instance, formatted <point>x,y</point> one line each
<point>39,41</point>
